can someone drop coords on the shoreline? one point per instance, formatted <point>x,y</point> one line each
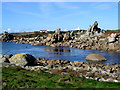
<point>64,44</point>
<point>99,72</point>
<point>97,62</point>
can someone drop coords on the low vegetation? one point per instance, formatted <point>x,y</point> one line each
<point>20,78</point>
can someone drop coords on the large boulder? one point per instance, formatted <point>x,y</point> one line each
<point>23,59</point>
<point>95,57</point>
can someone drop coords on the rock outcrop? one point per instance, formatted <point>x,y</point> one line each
<point>6,37</point>
<point>93,31</point>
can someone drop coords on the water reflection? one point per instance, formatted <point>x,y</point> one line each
<point>57,49</point>
<point>56,53</point>
<point>62,53</point>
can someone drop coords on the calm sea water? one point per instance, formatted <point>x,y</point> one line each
<point>62,53</point>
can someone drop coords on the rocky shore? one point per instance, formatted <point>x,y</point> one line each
<point>93,39</point>
<point>99,72</point>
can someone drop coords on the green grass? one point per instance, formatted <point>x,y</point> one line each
<point>20,78</point>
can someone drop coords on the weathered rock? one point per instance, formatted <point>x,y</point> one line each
<point>92,31</point>
<point>23,59</point>
<point>57,31</point>
<point>4,58</point>
<point>95,57</point>
<point>6,37</point>
<point>112,38</point>
<point>8,56</point>
<point>113,46</point>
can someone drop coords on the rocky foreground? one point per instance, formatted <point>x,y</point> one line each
<point>99,72</point>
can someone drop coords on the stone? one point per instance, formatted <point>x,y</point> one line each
<point>23,59</point>
<point>57,31</point>
<point>93,31</point>
<point>95,57</point>
<point>6,37</point>
<point>78,62</point>
<point>3,59</point>
<point>71,33</point>
<point>8,56</point>
<point>112,38</point>
<point>113,46</point>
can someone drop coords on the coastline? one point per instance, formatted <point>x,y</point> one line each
<point>99,72</point>
<point>112,47</point>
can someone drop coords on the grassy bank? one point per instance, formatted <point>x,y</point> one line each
<point>20,78</point>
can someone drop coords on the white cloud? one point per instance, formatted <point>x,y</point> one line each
<point>8,29</point>
<point>65,30</point>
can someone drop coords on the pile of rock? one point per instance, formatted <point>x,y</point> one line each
<point>97,72</point>
<point>6,37</point>
<point>92,39</point>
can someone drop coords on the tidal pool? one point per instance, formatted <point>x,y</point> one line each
<point>62,53</point>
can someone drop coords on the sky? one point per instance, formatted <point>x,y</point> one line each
<point>34,16</point>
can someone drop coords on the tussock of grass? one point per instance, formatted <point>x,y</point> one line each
<point>20,78</point>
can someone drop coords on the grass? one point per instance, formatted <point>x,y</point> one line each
<point>20,78</point>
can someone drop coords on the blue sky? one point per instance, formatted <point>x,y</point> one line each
<point>33,16</point>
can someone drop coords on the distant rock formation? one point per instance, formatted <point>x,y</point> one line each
<point>94,27</point>
<point>57,31</point>
<point>58,36</point>
<point>6,36</point>
<point>93,31</point>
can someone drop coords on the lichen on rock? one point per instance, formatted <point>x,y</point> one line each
<point>23,59</point>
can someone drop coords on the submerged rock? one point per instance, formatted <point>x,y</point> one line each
<point>95,57</point>
<point>23,59</point>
